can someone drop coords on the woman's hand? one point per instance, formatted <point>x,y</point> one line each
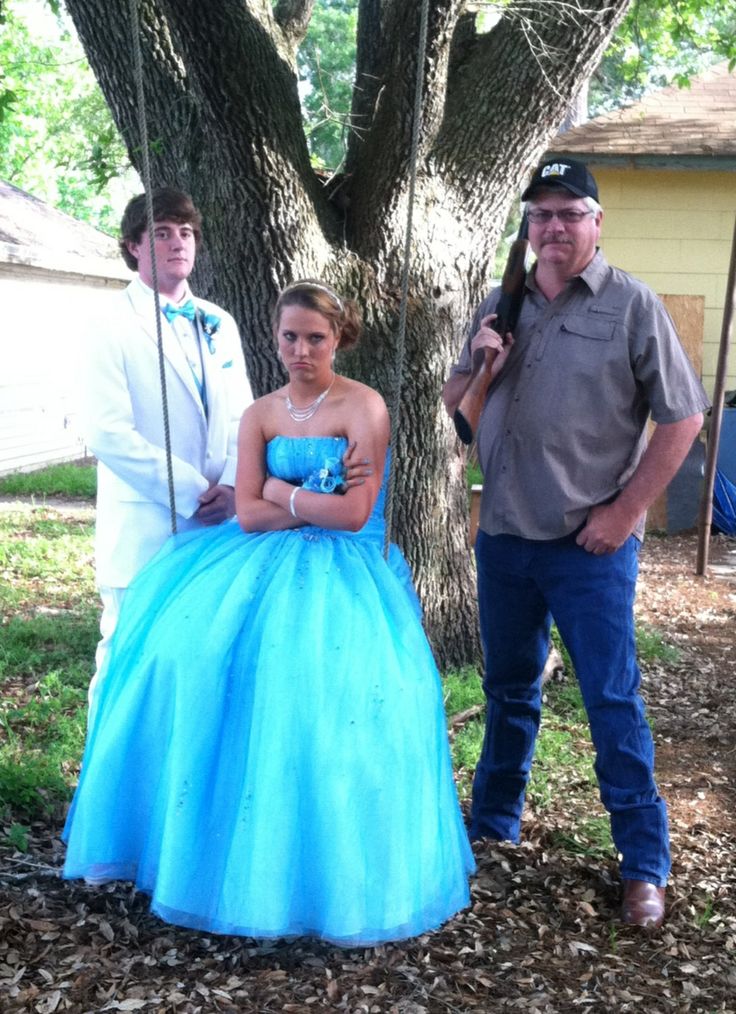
<point>357,469</point>
<point>272,487</point>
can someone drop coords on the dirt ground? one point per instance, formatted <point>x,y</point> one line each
<point>542,932</point>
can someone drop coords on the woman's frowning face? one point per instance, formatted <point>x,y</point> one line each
<point>307,341</point>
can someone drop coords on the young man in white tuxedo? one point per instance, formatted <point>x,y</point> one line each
<point>121,403</point>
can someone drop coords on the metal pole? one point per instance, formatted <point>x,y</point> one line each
<point>714,433</point>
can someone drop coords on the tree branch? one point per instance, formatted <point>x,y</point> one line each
<point>105,31</point>
<point>383,108</point>
<point>293,17</point>
<point>563,41</point>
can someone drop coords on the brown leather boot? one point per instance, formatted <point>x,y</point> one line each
<point>643,904</point>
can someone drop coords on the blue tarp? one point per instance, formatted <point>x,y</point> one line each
<point>724,504</point>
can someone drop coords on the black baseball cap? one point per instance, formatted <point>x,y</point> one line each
<point>563,172</point>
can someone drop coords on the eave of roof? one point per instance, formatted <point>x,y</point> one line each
<point>673,125</point>
<point>34,233</point>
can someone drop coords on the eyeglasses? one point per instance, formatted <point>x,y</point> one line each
<point>568,216</point>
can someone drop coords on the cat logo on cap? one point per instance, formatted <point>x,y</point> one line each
<point>556,169</point>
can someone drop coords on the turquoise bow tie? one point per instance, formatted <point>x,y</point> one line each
<point>187,310</point>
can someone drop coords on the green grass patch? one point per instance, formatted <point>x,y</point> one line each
<point>76,482</point>
<point>465,749</point>
<point>45,562</point>
<point>46,664</point>
<point>48,633</point>
<point>41,740</point>
<point>590,836</point>
<point>565,701</point>
<point>17,836</point>
<point>462,690</point>
<point>705,914</point>
<point>651,647</point>
<point>34,646</point>
<point>560,760</point>
<point>473,475</point>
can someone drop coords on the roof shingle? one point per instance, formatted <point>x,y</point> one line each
<point>699,120</point>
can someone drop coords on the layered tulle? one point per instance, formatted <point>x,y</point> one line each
<point>269,756</point>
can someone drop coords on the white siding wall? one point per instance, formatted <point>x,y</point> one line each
<point>42,313</point>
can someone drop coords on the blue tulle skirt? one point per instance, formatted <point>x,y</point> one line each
<point>269,756</point>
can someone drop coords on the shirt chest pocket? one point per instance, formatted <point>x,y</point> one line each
<point>579,335</point>
<point>588,327</point>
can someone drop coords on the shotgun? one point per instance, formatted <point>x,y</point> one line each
<point>467,413</point>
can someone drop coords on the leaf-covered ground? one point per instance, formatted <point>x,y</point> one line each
<point>542,933</point>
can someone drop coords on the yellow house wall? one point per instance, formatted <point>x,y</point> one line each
<point>673,229</point>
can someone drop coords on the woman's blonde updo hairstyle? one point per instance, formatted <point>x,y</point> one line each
<point>343,314</point>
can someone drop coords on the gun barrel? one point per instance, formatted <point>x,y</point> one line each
<point>467,414</point>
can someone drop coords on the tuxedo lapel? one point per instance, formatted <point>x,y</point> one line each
<point>211,360</point>
<point>143,306</point>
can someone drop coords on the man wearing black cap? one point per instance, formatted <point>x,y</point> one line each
<point>568,479</point>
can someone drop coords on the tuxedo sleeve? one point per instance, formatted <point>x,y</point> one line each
<point>122,420</point>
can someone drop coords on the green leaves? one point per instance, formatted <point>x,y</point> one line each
<point>326,72</point>
<point>658,44</point>
<point>57,138</point>
<point>8,99</point>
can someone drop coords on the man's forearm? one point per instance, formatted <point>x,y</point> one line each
<point>453,391</point>
<point>667,450</point>
<point>609,525</point>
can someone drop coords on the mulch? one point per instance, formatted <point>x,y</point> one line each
<point>542,933</point>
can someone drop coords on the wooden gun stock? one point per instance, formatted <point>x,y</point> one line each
<point>467,413</point>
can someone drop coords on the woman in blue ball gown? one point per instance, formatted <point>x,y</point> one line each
<point>269,756</point>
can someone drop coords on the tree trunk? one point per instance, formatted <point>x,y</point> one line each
<point>225,124</point>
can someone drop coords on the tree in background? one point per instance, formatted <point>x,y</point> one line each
<point>326,65</point>
<point>57,138</point>
<point>657,43</point>
<point>662,43</point>
<point>223,99</point>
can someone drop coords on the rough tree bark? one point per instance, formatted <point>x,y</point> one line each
<point>225,124</point>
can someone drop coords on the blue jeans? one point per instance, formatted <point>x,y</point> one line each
<point>522,586</point>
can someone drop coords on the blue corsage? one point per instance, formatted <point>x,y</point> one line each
<point>327,479</point>
<point>210,324</point>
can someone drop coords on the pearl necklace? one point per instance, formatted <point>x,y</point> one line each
<point>302,414</point>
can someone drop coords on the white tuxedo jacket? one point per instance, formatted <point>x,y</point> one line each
<point>122,420</point>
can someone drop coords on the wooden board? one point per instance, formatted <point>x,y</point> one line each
<point>688,314</point>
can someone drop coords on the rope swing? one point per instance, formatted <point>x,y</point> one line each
<point>143,137</point>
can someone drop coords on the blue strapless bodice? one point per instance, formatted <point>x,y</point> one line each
<point>295,458</point>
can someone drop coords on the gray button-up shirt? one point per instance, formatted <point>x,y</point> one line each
<point>564,424</point>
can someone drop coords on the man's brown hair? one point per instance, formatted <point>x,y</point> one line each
<point>169,205</point>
